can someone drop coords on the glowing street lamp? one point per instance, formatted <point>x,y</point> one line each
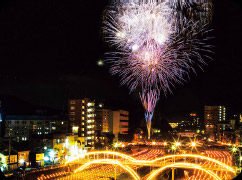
<point>173,148</point>
<point>165,143</point>
<point>52,154</point>
<point>21,161</point>
<point>194,144</point>
<point>234,149</point>
<point>177,144</point>
<point>115,145</point>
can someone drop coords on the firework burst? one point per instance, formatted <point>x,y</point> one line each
<point>158,43</point>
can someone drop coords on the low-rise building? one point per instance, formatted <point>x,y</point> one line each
<point>22,128</point>
<point>8,162</point>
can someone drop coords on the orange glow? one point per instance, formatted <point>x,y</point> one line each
<point>182,165</point>
<point>155,161</point>
<point>109,161</point>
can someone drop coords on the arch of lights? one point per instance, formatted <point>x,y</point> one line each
<point>144,162</point>
<point>182,165</point>
<point>113,162</point>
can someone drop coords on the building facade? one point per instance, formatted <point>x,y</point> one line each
<point>21,128</point>
<point>82,119</point>
<point>103,119</point>
<point>213,116</point>
<point>120,123</point>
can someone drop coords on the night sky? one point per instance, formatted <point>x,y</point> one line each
<point>49,51</point>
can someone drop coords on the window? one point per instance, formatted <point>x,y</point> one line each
<point>83,107</point>
<point>72,107</point>
<point>72,113</point>
<point>83,112</point>
<point>73,102</point>
<point>62,122</point>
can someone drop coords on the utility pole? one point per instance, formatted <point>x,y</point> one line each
<point>173,173</point>
<point>9,145</point>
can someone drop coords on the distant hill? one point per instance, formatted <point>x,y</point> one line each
<point>12,105</point>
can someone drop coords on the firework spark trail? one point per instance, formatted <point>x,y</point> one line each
<point>149,99</point>
<point>159,42</point>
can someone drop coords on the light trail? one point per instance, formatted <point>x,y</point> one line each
<point>183,165</point>
<point>113,162</point>
<point>149,162</point>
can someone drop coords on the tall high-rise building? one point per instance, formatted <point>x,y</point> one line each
<point>82,119</point>
<point>120,123</point>
<point>102,118</point>
<point>212,116</point>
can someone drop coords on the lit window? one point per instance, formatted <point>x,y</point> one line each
<point>83,118</point>
<point>83,112</point>
<point>83,107</point>
<point>83,123</point>
<point>72,107</point>
<point>83,101</point>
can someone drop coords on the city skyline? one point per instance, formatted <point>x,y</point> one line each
<point>65,109</point>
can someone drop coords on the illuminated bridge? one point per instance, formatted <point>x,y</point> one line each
<point>161,164</point>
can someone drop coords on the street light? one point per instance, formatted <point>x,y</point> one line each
<point>177,144</point>
<point>234,149</point>
<point>21,161</point>
<point>115,145</point>
<point>173,148</point>
<point>194,144</point>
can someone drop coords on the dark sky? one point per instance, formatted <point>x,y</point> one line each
<point>49,51</point>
